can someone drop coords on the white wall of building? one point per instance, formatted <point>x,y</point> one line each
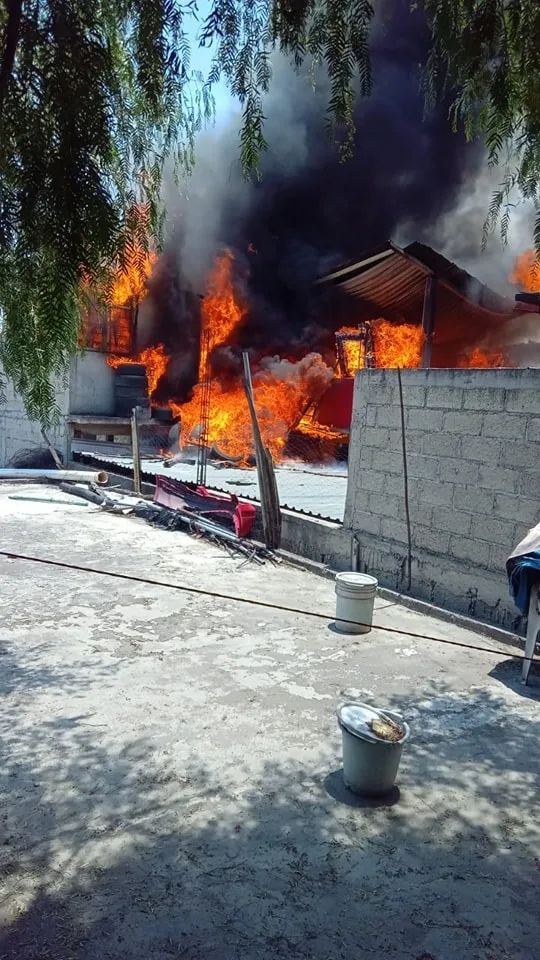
<point>89,390</point>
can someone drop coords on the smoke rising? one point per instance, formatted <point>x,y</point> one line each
<point>309,211</point>
<point>457,234</point>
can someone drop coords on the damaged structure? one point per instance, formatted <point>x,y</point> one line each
<point>444,461</point>
<point>444,466</point>
<point>407,307</point>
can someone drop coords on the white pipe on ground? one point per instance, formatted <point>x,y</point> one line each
<point>77,476</point>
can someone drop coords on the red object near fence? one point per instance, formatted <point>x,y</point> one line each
<point>335,407</point>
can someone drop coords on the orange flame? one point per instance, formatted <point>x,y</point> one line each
<point>481,359</point>
<point>130,283</point>
<point>282,391</point>
<point>314,429</point>
<point>397,344</point>
<point>220,312</point>
<point>354,352</point>
<point>155,360</point>
<point>112,329</point>
<point>526,272</point>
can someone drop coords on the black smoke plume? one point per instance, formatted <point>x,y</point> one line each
<point>310,210</point>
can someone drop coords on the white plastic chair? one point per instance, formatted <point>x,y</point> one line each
<point>533,626</point>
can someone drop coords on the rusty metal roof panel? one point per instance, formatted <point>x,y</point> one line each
<point>395,283</point>
<point>391,280</point>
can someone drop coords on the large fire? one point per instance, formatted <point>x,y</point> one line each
<point>394,345</point>
<point>220,312</point>
<point>481,359</point>
<point>129,288</point>
<point>130,283</point>
<point>354,351</point>
<point>112,330</point>
<point>526,272</point>
<point>397,345</point>
<point>285,391</point>
<point>282,389</point>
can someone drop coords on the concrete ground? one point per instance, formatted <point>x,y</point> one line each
<point>170,783</point>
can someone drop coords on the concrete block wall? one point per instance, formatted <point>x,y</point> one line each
<point>473,455</point>
<point>89,390</point>
<point>17,432</point>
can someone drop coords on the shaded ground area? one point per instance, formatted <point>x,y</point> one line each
<point>170,783</point>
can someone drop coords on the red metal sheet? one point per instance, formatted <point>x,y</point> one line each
<point>335,407</point>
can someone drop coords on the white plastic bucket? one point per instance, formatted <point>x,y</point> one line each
<point>355,597</point>
<point>370,765</point>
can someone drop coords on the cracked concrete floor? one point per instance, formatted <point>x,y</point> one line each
<point>170,782</point>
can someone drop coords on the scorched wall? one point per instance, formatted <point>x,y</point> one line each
<point>473,456</point>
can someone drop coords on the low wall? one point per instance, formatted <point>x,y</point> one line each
<point>17,432</point>
<point>473,455</point>
<point>322,541</point>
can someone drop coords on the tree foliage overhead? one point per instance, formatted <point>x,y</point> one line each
<point>489,52</point>
<point>95,95</point>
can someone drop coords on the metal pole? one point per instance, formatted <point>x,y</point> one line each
<point>428,318</point>
<point>136,451</point>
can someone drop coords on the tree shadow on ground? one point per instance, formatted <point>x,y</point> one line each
<point>508,672</point>
<point>109,853</point>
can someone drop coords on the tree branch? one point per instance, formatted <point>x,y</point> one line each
<point>10,41</point>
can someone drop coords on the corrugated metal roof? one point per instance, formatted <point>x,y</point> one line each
<point>391,281</point>
<point>394,283</point>
<point>301,489</point>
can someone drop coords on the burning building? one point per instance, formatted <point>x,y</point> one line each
<point>294,291</point>
<point>274,266</point>
<point>395,307</point>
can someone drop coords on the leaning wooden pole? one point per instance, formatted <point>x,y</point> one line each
<point>271,513</point>
<point>136,451</point>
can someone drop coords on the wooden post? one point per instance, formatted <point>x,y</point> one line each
<point>52,450</point>
<point>428,318</point>
<point>271,513</point>
<point>136,451</point>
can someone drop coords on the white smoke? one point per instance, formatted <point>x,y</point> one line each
<point>458,234</point>
<point>311,373</point>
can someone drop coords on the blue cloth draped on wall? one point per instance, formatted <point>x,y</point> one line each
<point>522,572</point>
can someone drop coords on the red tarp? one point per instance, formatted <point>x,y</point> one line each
<point>176,495</point>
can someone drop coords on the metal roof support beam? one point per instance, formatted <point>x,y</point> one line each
<point>428,318</point>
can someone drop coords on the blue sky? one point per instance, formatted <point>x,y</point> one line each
<point>201,58</point>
